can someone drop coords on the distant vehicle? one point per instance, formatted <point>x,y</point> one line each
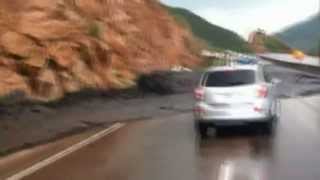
<point>246,61</point>
<point>235,96</point>
<point>298,54</point>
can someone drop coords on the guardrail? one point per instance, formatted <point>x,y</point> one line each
<point>309,64</point>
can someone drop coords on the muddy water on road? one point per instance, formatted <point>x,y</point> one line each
<point>169,148</point>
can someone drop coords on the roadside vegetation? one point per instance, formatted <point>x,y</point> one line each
<point>261,42</point>
<point>273,44</point>
<point>215,37</point>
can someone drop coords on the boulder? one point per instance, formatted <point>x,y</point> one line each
<point>10,82</point>
<point>17,45</point>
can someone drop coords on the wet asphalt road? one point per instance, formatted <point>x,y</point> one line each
<point>169,149</point>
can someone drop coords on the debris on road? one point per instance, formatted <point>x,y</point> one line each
<point>168,82</point>
<point>157,94</point>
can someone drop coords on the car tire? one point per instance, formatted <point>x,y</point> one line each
<point>203,130</point>
<point>270,125</point>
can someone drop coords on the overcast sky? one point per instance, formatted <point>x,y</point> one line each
<point>244,16</point>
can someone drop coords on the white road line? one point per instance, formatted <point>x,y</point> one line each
<point>38,166</point>
<point>226,171</point>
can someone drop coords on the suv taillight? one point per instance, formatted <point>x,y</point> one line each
<point>199,93</point>
<point>262,91</point>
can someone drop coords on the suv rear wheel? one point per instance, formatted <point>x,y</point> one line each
<point>270,126</point>
<point>203,130</point>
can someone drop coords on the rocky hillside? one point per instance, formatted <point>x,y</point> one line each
<point>52,47</point>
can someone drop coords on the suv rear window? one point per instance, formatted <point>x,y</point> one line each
<point>230,78</point>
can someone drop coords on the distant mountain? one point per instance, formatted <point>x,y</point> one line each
<point>214,36</point>
<point>304,35</point>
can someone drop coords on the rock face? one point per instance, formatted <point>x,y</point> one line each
<point>52,47</point>
<point>260,42</point>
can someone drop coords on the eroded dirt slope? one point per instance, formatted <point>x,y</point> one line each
<point>52,47</point>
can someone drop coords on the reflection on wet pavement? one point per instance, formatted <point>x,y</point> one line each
<point>291,153</point>
<point>241,149</point>
<point>170,149</point>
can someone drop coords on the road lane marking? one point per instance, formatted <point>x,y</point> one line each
<point>40,165</point>
<point>226,171</point>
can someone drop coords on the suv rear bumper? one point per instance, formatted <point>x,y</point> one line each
<point>232,122</point>
<point>239,113</point>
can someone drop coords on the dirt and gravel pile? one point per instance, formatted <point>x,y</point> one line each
<point>52,47</point>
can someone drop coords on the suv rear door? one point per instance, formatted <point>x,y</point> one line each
<point>231,87</point>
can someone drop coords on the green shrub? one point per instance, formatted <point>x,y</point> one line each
<point>95,29</point>
<point>214,36</point>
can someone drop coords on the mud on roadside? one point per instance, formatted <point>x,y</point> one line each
<point>24,123</point>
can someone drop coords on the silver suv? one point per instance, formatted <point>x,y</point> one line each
<point>234,96</point>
